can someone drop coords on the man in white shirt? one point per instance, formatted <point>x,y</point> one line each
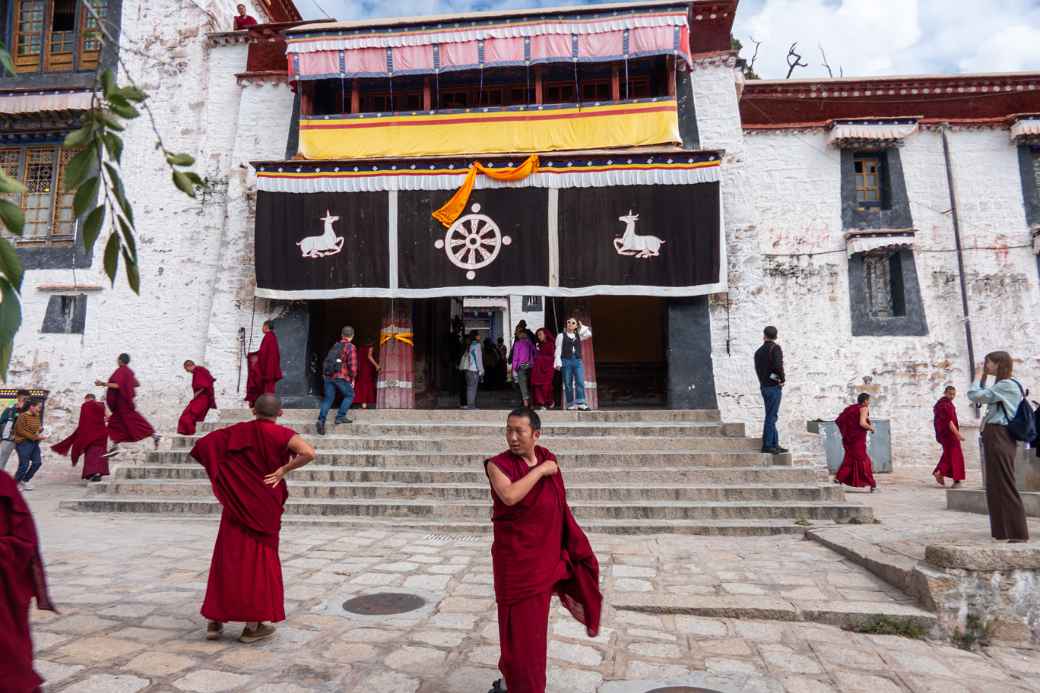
<point>568,361</point>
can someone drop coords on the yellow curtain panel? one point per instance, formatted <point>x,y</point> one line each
<point>492,132</point>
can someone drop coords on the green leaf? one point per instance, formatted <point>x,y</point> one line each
<point>10,264</point>
<point>8,65</point>
<point>112,257</point>
<point>182,181</point>
<point>10,321</point>
<point>86,195</point>
<point>113,144</point>
<point>12,216</point>
<point>133,93</point>
<point>110,121</point>
<point>92,227</point>
<point>78,138</point>
<point>79,167</point>
<point>10,185</point>
<point>180,159</point>
<point>108,83</point>
<point>129,241</point>
<point>133,277</point>
<point>124,110</point>
<point>119,192</point>
<point>196,179</point>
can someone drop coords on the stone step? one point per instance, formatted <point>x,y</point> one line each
<point>497,429</point>
<point>291,416</point>
<point>665,459</point>
<point>472,510</point>
<point>474,474</point>
<point>394,492</point>
<point>488,445</point>
<point>181,510</point>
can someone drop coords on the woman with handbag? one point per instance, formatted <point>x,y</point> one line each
<point>523,360</point>
<point>1007,516</point>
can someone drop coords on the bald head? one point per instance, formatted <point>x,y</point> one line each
<point>267,406</point>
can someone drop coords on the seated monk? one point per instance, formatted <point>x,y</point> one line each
<point>246,464</point>
<point>539,550</point>
<point>21,579</point>
<point>202,399</point>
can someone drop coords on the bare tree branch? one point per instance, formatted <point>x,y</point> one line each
<point>797,62</point>
<point>754,56</point>
<point>830,72</point>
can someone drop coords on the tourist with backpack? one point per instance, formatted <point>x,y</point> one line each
<point>1008,420</point>
<point>339,369</point>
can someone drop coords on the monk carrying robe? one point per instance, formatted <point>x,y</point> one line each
<point>21,579</point>
<point>202,401</point>
<point>539,550</point>
<point>856,468</point>
<point>948,434</point>
<point>125,425</point>
<point>269,359</point>
<point>246,464</point>
<point>88,440</point>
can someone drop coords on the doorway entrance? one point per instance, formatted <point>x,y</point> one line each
<point>327,319</point>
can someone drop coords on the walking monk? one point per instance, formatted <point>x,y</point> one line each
<point>856,469</point>
<point>89,440</point>
<point>125,425</point>
<point>21,579</point>
<point>202,400</point>
<point>246,464</point>
<point>269,359</point>
<point>538,550</point>
<point>948,434</point>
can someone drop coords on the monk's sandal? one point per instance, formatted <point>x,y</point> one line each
<point>214,629</point>
<point>263,630</point>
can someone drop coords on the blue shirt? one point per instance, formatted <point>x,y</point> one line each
<point>1002,399</point>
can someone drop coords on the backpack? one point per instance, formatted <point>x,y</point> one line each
<point>1021,426</point>
<point>334,359</point>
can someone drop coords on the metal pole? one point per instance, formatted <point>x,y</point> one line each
<point>960,257</point>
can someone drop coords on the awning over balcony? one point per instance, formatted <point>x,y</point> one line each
<point>491,130</point>
<point>1026,129</point>
<point>341,50</point>
<point>35,102</point>
<point>877,240</point>
<point>637,226</point>
<point>873,131</point>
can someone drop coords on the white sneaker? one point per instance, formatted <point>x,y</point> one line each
<point>572,407</point>
<point>27,486</point>
<point>583,407</point>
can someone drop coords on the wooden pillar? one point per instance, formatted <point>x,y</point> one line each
<point>306,98</point>
<point>355,96</point>
<point>427,96</point>
<point>671,75</point>
<point>538,85</point>
<point>615,83</point>
<point>395,386</point>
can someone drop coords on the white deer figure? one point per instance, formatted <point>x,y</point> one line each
<point>631,243</point>
<point>328,243</point>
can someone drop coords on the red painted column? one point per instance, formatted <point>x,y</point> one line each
<point>395,386</point>
<point>583,312</point>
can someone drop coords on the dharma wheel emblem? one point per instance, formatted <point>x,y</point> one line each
<point>473,242</point>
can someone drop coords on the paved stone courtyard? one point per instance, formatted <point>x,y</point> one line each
<point>129,590</point>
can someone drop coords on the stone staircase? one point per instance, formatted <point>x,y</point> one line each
<point>631,472</point>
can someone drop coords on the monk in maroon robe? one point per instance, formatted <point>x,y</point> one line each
<point>538,550</point>
<point>948,434</point>
<point>125,425</point>
<point>21,579</point>
<point>202,401</point>
<point>246,463</point>
<point>268,359</point>
<point>856,469</point>
<point>88,440</point>
<point>253,381</point>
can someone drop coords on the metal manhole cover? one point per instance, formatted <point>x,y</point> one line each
<point>383,604</point>
<point>683,689</point>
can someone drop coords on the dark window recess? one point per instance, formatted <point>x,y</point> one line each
<point>1029,169</point>
<point>64,18</point>
<point>884,295</point>
<point>873,191</point>
<point>65,314</point>
<point>531,303</point>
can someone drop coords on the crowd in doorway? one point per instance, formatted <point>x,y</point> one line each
<point>544,371</point>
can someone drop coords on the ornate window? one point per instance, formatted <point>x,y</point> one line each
<point>57,35</point>
<point>48,208</point>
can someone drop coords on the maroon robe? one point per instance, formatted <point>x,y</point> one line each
<point>269,363</point>
<point>543,372</point>
<point>856,469</point>
<point>21,578</point>
<point>538,550</point>
<point>245,576</point>
<point>253,382</point>
<point>365,383</point>
<point>89,440</point>
<point>201,403</point>
<point>244,22</point>
<point>951,463</point>
<point>125,425</point>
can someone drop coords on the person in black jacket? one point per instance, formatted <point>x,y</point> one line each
<point>769,366</point>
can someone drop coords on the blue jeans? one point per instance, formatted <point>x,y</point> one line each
<point>573,381</point>
<point>771,397</point>
<point>28,460</point>
<point>332,386</point>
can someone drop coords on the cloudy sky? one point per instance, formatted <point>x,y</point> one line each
<point>860,37</point>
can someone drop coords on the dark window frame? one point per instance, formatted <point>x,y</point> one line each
<point>65,314</point>
<point>906,298</point>
<point>892,211</point>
